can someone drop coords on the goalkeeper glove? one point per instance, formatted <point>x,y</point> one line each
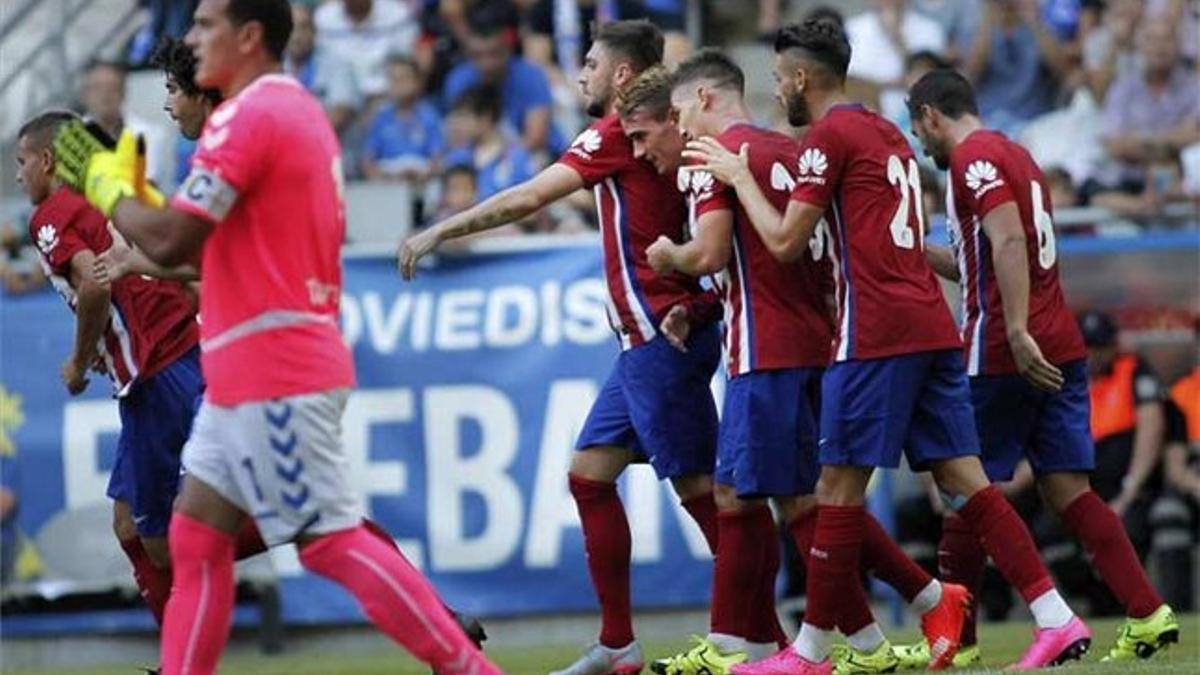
<point>103,176</point>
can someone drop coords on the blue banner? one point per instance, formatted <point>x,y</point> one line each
<point>473,382</point>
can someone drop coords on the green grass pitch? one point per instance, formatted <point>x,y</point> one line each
<point>1002,643</point>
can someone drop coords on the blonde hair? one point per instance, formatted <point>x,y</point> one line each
<point>649,92</point>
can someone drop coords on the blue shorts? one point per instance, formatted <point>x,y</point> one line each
<point>919,404</point>
<point>657,401</point>
<point>1016,420</point>
<point>156,419</point>
<point>768,439</point>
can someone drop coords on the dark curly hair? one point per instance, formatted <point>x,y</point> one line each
<point>819,40</point>
<point>176,59</point>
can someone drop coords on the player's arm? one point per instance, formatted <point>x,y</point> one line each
<point>1177,472</point>
<point>168,237</point>
<point>785,237</point>
<point>707,253</point>
<point>122,259</point>
<point>1148,438</point>
<point>552,183</point>
<point>91,316</point>
<point>941,259</point>
<point>1010,260</point>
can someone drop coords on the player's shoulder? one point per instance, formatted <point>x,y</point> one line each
<point>604,136</point>
<point>983,157</point>
<point>64,210</point>
<point>746,132</point>
<point>981,143</point>
<point>64,207</point>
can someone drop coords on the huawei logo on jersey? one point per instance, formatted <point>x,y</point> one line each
<point>586,143</point>
<point>701,185</point>
<point>812,165</point>
<point>47,238</point>
<point>981,177</point>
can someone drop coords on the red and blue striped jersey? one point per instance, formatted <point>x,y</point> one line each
<point>635,205</point>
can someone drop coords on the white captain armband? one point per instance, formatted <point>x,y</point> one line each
<point>209,192</point>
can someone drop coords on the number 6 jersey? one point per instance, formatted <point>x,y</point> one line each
<point>986,171</point>
<point>859,168</point>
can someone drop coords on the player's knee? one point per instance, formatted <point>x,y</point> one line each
<point>959,477</point>
<point>696,485</point>
<point>726,498</point>
<point>158,551</point>
<point>794,507</point>
<point>843,485</point>
<point>122,523</point>
<point>602,465</point>
<point>1059,490</point>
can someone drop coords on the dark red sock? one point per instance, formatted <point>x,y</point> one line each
<point>835,594</point>
<point>703,509</point>
<point>884,557</point>
<point>802,529</point>
<point>738,562</point>
<point>248,541</point>
<point>764,624</point>
<point>961,560</point>
<point>1007,541</point>
<point>607,542</point>
<point>1103,535</point>
<point>153,582</point>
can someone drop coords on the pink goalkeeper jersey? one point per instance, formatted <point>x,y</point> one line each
<point>267,173</point>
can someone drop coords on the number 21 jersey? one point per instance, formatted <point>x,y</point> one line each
<point>986,171</point>
<point>859,168</point>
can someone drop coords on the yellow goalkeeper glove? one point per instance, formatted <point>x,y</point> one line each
<point>103,176</point>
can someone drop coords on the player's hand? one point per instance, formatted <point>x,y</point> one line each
<point>414,248</point>
<point>1032,365</point>
<point>677,327</point>
<point>717,160</point>
<point>103,176</point>
<point>658,255</point>
<point>74,376</point>
<point>113,263</point>
<point>1121,504</point>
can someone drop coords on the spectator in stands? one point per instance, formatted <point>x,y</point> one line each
<point>1128,420</point>
<point>524,88</point>
<point>671,17</point>
<point>882,38</point>
<point>479,140</point>
<point>1110,52</point>
<point>1062,188</point>
<point>322,72</point>
<point>1015,62</point>
<point>104,101</point>
<point>405,138</point>
<point>168,18</point>
<point>1149,116</point>
<point>363,33</point>
<point>1176,514</point>
<point>20,271</point>
<point>459,191</point>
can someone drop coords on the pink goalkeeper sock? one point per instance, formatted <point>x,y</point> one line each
<point>201,605</point>
<point>396,598</point>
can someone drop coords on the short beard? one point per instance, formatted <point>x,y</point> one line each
<point>798,114</point>
<point>597,108</point>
